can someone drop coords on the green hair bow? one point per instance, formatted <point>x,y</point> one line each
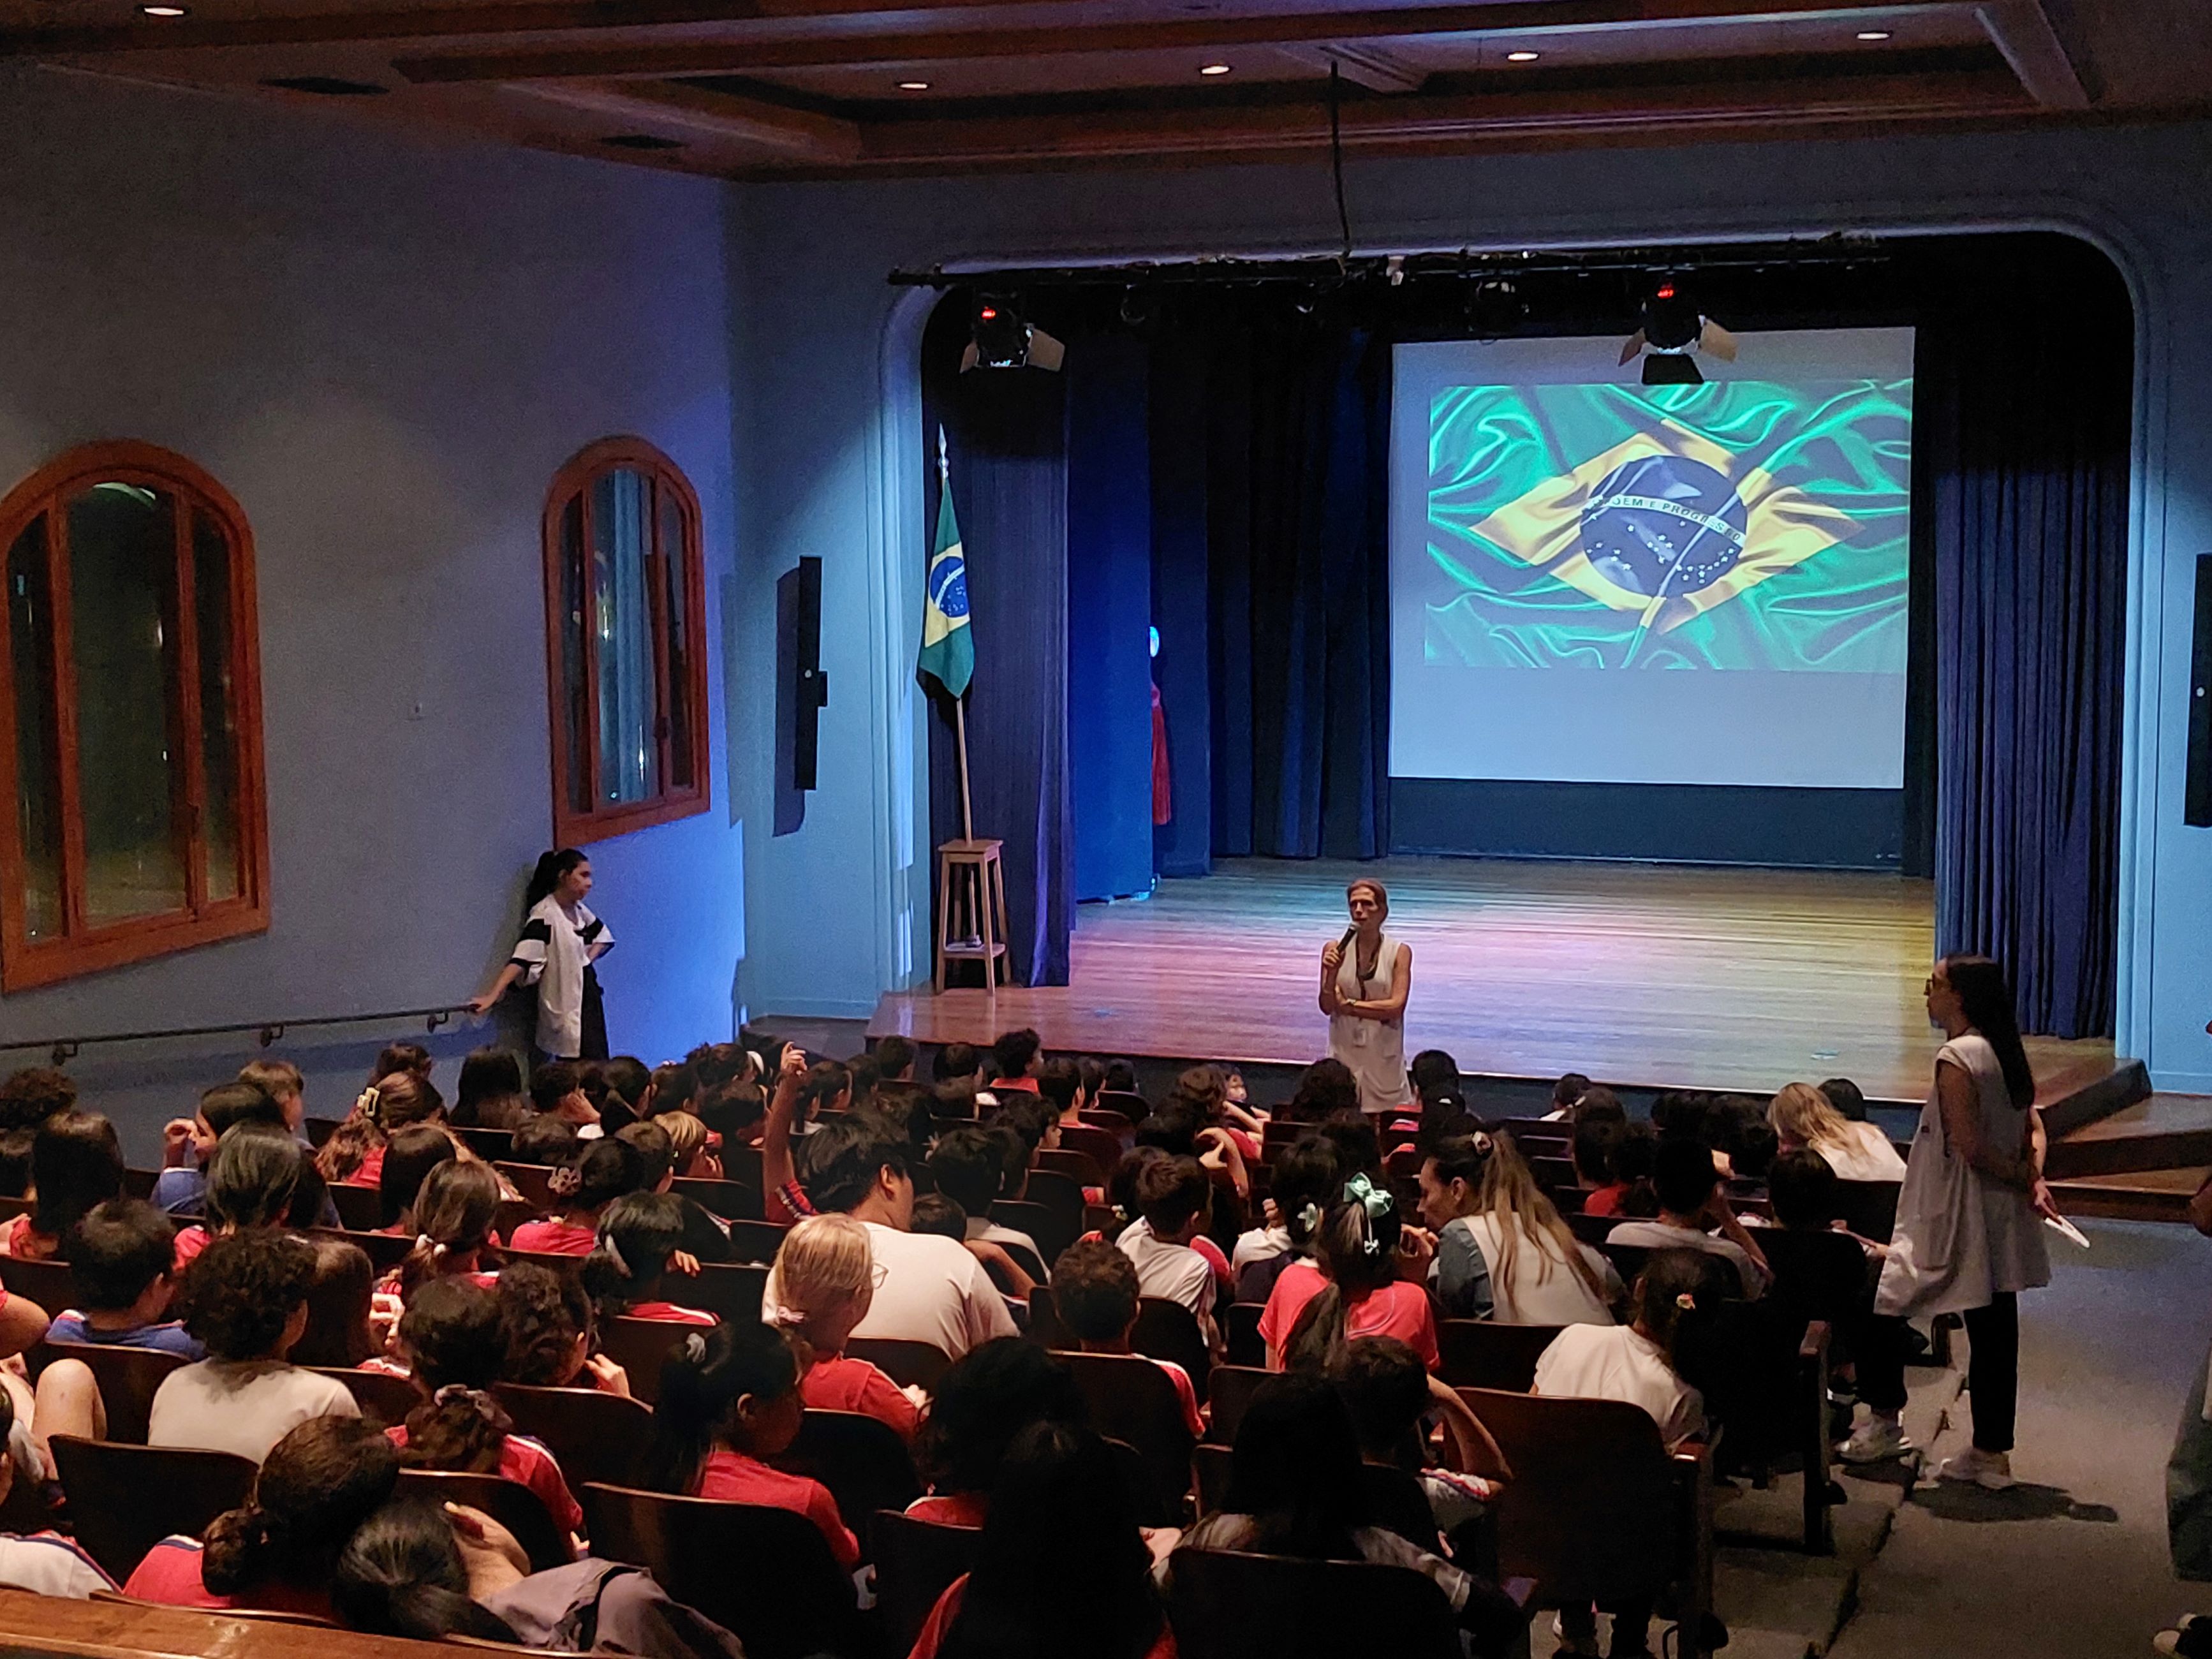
<point>1376,1200</point>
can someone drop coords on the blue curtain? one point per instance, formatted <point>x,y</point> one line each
<point>1006,431</point>
<point>2025,391</point>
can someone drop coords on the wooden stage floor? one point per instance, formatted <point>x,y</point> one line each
<point>1640,975</point>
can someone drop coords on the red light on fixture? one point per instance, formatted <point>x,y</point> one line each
<point>1667,290</point>
<point>989,313</point>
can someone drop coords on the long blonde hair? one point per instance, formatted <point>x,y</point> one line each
<point>1801,1113</point>
<point>1512,1198</point>
<point>824,1266</point>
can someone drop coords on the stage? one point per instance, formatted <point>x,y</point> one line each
<point>1644,976</point>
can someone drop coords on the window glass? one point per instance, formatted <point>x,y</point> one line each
<point>574,691</point>
<point>211,605</point>
<point>674,562</point>
<point>622,528</point>
<point>37,777</point>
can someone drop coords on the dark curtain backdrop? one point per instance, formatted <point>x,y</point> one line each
<point>2025,398</point>
<point>1006,433</point>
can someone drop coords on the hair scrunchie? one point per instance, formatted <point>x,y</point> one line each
<point>1308,1216</point>
<point>695,1349</point>
<point>1375,1201</point>
<point>1686,1301</point>
<point>564,1181</point>
<point>614,1250</point>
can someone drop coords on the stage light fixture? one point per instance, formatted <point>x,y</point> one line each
<point>1003,339</point>
<point>1673,327</point>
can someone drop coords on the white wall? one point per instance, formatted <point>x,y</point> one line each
<point>830,466</point>
<point>385,349</point>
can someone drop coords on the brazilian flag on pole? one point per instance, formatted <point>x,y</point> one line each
<point>948,649</point>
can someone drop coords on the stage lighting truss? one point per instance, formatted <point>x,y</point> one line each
<point>1003,339</point>
<point>1672,328</point>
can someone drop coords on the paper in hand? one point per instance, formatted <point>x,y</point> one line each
<point>2066,1231</point>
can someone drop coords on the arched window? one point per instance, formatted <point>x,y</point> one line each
<point>132,716</point>
<point>625,642</point>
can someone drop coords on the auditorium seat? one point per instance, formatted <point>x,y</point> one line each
<point>741,1164</point>
<point>1232,1387</point>
<point>1592,1229</point>
<point>1627,1260</point>
<point>1079,1167</point>
<point>1226,1605</point>
<point>1168,1330</point>
<point>1026,1218</point>
<point>511,1213</point>
<point>127,1379</point>
<point>916,1562</point>
<point>124,1500</point>
<point>766,1575</point>
<point>1869,1207</point>
<point>51,1284</point>
<point>1062,1196</point>
<point>910,1364</point>
<point>139,1183</point>
<point>1240,1331</point>
<point>489,1145</point>
<point>510,1502</point>
<point>1767,1390</point>
<point>1130,1399</point>
<point>1597,1510</point>
<point>1395,1502</point>
<point>1043,1327</point>
<point>860,1459</point>
<point>380,1394</point>
<point>12,1208</point>
<point>592,1434</point>
<point>533,1181</point>
<point>1132,1109</point>
<point>732,1201</point>
<point>756,1240</point>
<point>384,1251</point>
<point>1102,1146</point>
<point>727,1290</point>
<point>1482,1353</point>
<point>640,1348</point>
<point>321,1129</point>
<point>1553,1174</point>
<point>361,1209</point>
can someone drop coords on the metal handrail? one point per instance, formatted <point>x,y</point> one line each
<point>64,1049</point>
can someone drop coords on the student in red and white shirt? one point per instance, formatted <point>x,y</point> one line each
<point>638,1258</point>
<point>988,1397</point>
<point>1363,1286</point>
<point>1174,1199</point>
<point>729,1401</point>
<point>1094,1291</point>
<point>457,1342</point>
<point>605,1170</point>
<point>822,1286</point>
<point>278,1553</point>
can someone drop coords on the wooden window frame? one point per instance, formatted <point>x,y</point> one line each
<point>80,948</point>
<point>573,482</point>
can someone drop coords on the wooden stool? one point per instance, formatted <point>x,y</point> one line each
<point>971,895</point>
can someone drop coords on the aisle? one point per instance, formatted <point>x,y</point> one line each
<point>2072,1562</point>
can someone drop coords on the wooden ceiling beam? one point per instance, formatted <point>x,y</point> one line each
<point>661,106</point>
<point>1367,66</point>
<point>2021,30</point>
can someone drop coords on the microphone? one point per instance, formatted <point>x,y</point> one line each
<point>1350,933</point>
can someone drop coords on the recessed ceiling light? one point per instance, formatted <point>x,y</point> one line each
<point>913,86</point>
<point>165,11</point>
<point>1873,34</point>
<point>1522,56</point>
<point>1213,69</point>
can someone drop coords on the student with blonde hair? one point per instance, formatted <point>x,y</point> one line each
<point>821,1285</point>
<point>1805,1119</point>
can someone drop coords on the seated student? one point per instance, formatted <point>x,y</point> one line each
<point>1804,1120</point>
<point>628,1269</point>
<point>1502,1251</point>
<point>956,1062</point>
<point>244,1298</point>
<point>1094,1290</point>
<point>550,1326</point>
<point>607,1170</point>
<point>1202,1091</point>
<point>819,1289</point>
<point>1014,1057</point>
<point>1634,1158</point>
<point>1840,1290</point>
<point>1061,1567</point>
<point>826,1090</point>
<point>451,1216</point>
<point>1173,1201</point>
<point>456,1348</point>
<point>1060,1087</point>
<point>706,1235</point>
<point>691,1146</point>
<point>1389,1393</point>
<point>76,1162</point>
<point>489,1095</point>
<point>45,1563</point>
<point>278,1554</point>
<point>1635,1363</point>
<point>187,1143</point>
<point>1691,1202</point>
<point>987,1397</point>
<point>937,1214</point>
<point>1592,1150</point>
<point>34,1094</point>
<point>1357,1286</point>
<point>729,1399</point>
<point>1295,1489</point>
<point>410,1154</point>
<point>120,1253</point>
<point>1564,1093</point>
<point>1847,1097</point>
<point>1306,1175</point>
<point>260,1176</point>
<point>557,1090</point>
<point>544,1141</point>
<point>399,1100</point>
<point>280,1080</point>
<point>346,1325</point>
<point>968,1166</point>
<point>629,1099</point>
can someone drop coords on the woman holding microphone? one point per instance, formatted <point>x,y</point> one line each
<point>1364,979</point>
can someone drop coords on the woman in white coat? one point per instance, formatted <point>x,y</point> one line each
<point>1969,1233</point>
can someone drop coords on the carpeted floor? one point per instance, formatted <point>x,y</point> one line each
<point>2073,1562</point>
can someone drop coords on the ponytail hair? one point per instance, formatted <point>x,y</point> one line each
<point>637,1235</point>
<point>701,1381</point>
<point>1357,1247</point>
<point>401,1574</point>
<point>1674,1299</point>
<point>1985,998</point>
<point>552,866</point>
<point>459,1343</point>
<point>318,1483</point>
<point>454,1210</point>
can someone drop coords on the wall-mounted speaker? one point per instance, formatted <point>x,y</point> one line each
<point>2197,797</point>
<point>802,690</point>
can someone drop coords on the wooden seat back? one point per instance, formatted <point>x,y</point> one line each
<point>1102,1146</point>
<point>860,1459</point>
<point>1869,1207</point>
<point>492,1145</point>
<point>1053,1232</point>
<point>732,1201</point>
<point>534,1181</point>
<point>1240,1332</point>
<point>510,1502</point>
<point>916,1562</point>
<point>910,1364</point>
<point>1480,1353</point>
<point>765,1574</point>
<point>384,1251</point>
<point>1079,1167</point>
<point>1233,1387</point>
<point>128,1378</point>
<point>1130,1399</point>
<point>1592,1229</point>
<point>380,1395</point>
<point>727,1290</point>
<point>361,1209</point>
<point>1168,1330</point>
<point>124,1500</point>
<point>1227,1605</point>
<point>594,1435</point>
<point>756,1240</point>
<point>641,1348</point>
<point>51,1284</point>
<point>1131,1107</point>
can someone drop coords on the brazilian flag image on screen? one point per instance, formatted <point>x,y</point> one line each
<point>1737,525</point>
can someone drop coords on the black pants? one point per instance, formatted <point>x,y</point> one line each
<point>1992,1368</point>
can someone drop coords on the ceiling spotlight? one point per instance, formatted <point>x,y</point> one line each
<point>1003,338</point>
<point>1873,34</point>
<point>165,11</point>
<point>1672,328</point>
<point>913,86</point>
<point>1523,57</point>
<point>1213,69</point>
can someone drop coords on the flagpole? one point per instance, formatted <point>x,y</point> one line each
<point>960,702</point>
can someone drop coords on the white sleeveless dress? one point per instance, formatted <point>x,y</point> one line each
<point>1961,1238</point>
<point>1373,1049</point>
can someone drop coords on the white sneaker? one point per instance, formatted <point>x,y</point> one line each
<point>1990,1471</point>
<point>1876,1441</point>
